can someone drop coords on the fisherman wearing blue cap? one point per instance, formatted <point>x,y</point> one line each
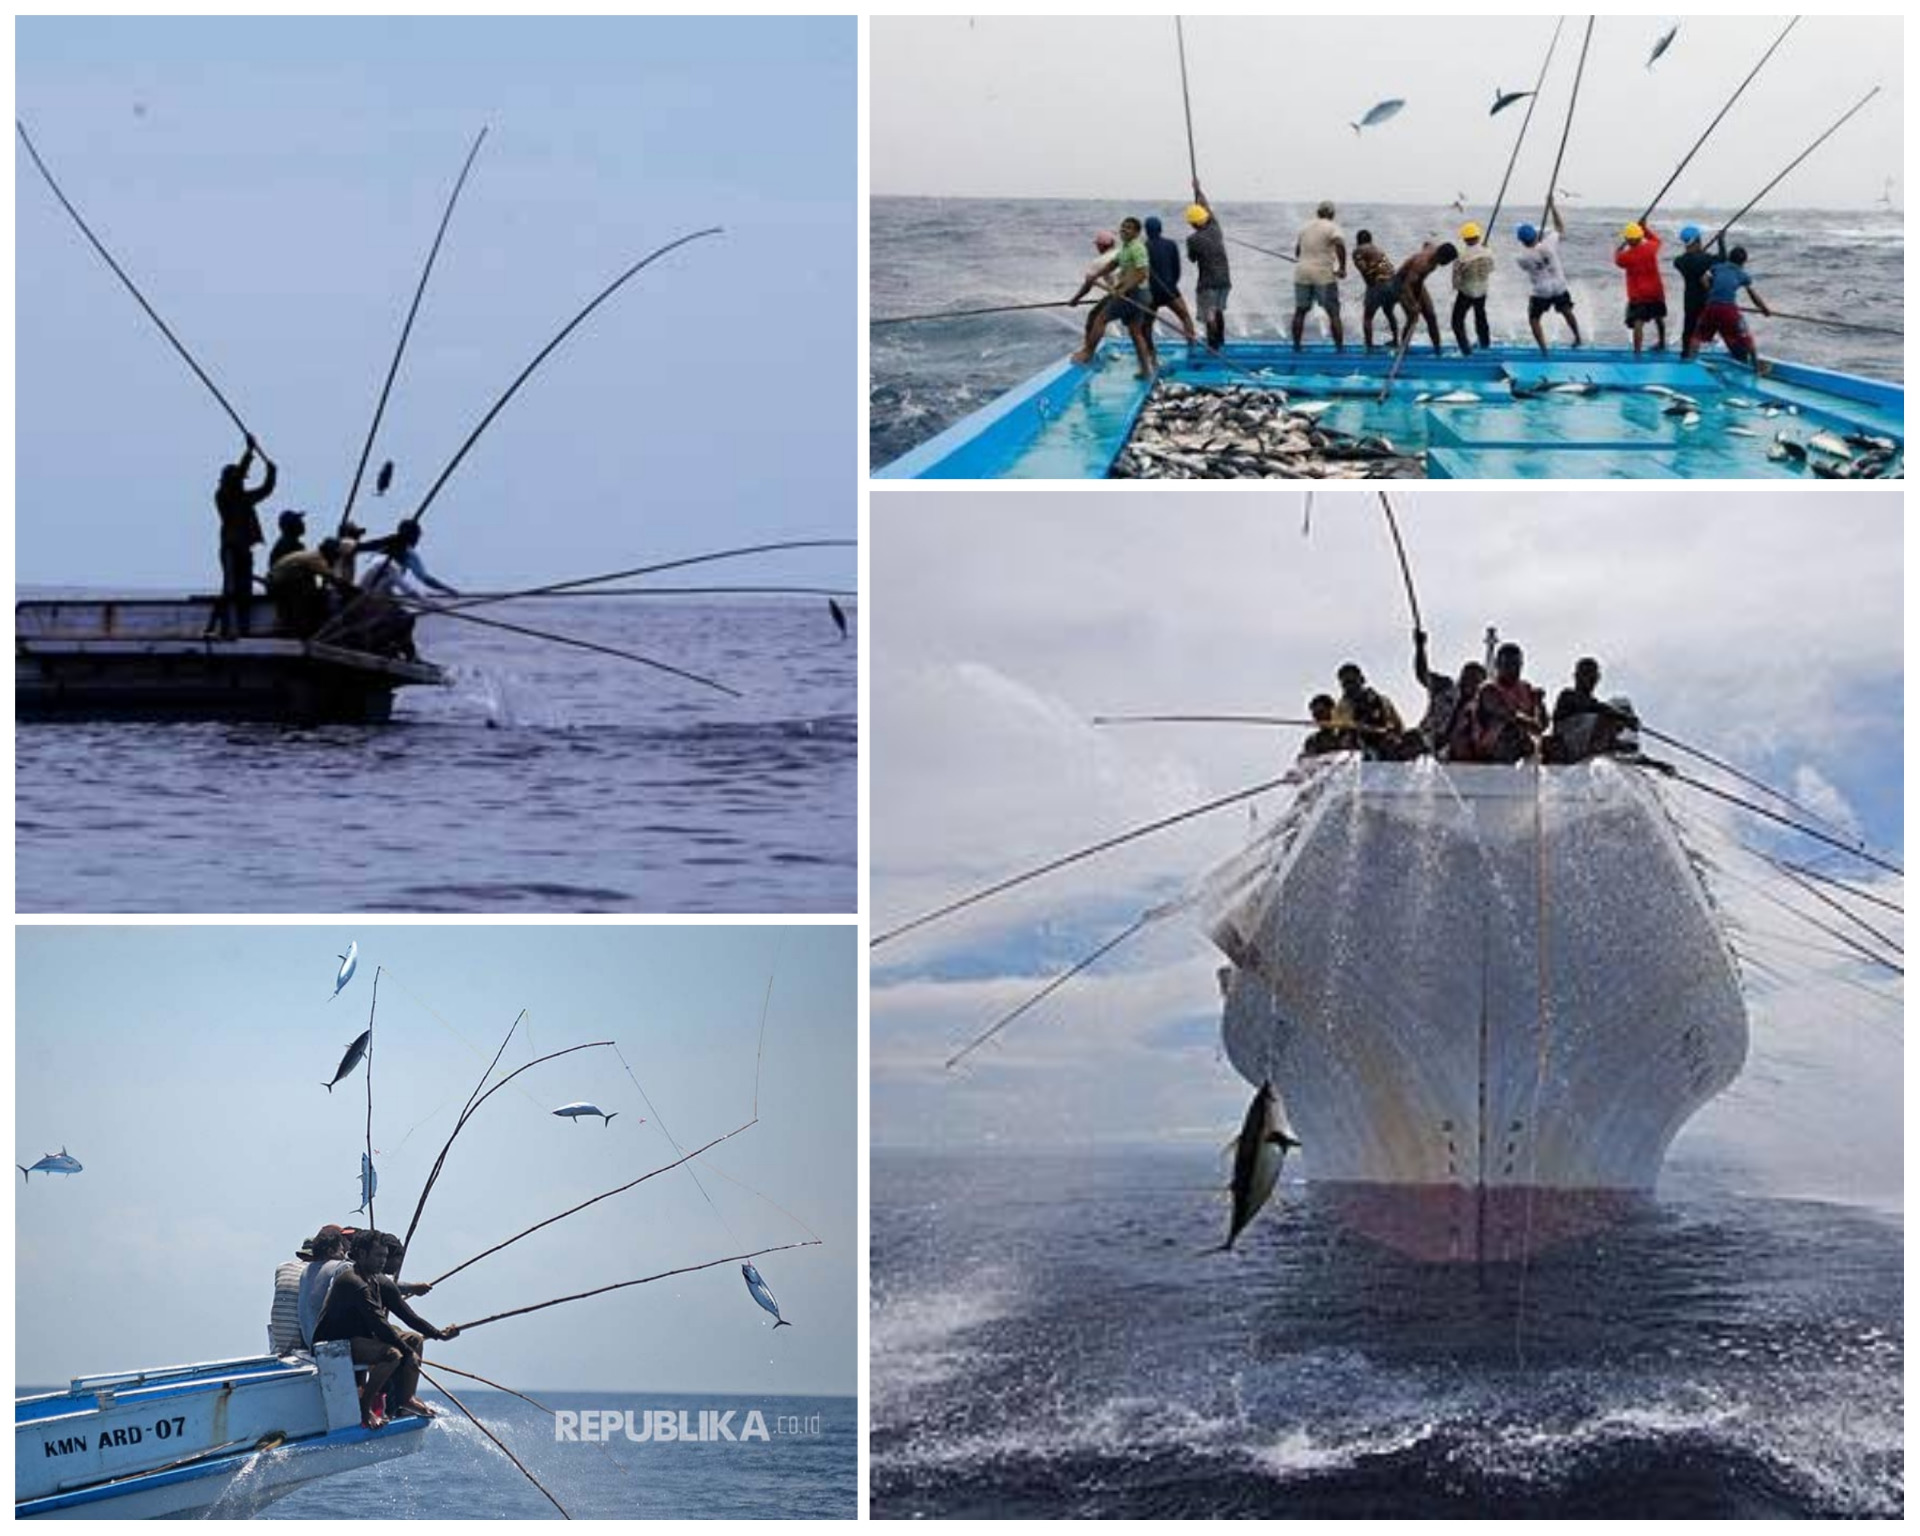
<point>1539,258</point>
<point>1694,264</point>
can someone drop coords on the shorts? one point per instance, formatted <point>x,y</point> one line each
<point>1537,306</point>
<point>1326,295</point>
<point>1134,307</point>
<point>1726,322</point>
<point>1383,295</point>
<point>1208,302</point>
<point>1646,309</point>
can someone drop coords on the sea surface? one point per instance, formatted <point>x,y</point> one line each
<point>548,779</point>
<point>1051,1337</point>
<point>459,1474</point>
<point>927,257</point>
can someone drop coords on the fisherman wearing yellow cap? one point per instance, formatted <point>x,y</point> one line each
<point>1207,250</point>
<point>1639,257</point>
<point>1471,275</point>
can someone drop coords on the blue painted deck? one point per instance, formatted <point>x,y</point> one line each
<point>1070,422</point>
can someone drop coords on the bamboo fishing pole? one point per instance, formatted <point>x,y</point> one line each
<point>571,1210</point>
<point>541,356</point>
<point>1566,132</point>
<point>738,553</point>
<point>1838,325</point>
<point>1265,720</point>
<point>441,1388</point>
<point>966,314</point>
<point>1794,163</point>
<point>730,591</point>
<point>1701,142</point>
<point>1526,122</point>
<point>621,1285</point>
<point>131,287</point>
<point>1263,250</point>
<point>1105,845</point>
<point>1186,100</point>
<point>371,1176</point>
<point>1406,570</point>
<point>406,330</point>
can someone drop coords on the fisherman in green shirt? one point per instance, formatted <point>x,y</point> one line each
<point>1126,270</point>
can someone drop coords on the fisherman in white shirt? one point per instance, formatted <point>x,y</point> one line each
<point>1539,259</point>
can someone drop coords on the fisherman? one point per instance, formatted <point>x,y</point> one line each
<point>1212,275</point>
<point>1638,255</point>
<point>1694,264</point>
<point>293,531</point>
<point>1101,316</point>
<point>1721,316</point>
<point>1321,256</point>
<point>1375,267</point>
<point>1509,713</point>
<point>1584,725</point>
<point>353,1313</point>
<point>1472,275</point>
<point>1540,260</point>
<point>301,585</point>
<point>1448,699</point>
<point>1410,289</point>
<point>1163,277</point>
<point>1368,716</point>
<point>393,1299</point>
<point>239,510</point>
<point>283,1321</point>
<point>1120,274</point>
<point>402,551</point>
<point>326,1261</point>
<point>1326,737</point>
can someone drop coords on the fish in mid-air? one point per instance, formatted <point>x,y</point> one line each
<point>347,962</point>
<point>385,481</point>
<point>369,1183</point>
<point>1378,113</point>
<point>1665,42</point>
<point>1264,1140</point>
<point>54,1162</point>
<point>839,617</point>
<point>1504,99</point>
<point>573,1112</point>
<point>351,1060</point>
<point>757,1289</point>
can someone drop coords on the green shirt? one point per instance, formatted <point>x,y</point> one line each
<point>1130,256</point>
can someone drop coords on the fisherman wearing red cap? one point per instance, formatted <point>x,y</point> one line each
<point>1638,256</point>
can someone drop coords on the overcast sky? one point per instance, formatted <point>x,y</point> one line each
<point>183,1066</point>
<point>1087,107</point>
<point>1763,625</point>
<point>274,184</point>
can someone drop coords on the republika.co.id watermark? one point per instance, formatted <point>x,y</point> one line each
<point>663,1426</point>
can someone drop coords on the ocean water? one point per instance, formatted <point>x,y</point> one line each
<point>459,1474</point>
<point>1051,1337</point>
<point>548,779</point>
<point>925,377</point>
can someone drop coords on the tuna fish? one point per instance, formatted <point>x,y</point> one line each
<point>573,1112</point>
<point>757,1289</point>
<point>53,1162</point>
<point>1378,113</point>
<point>1504,99</point>
<point>347,962</point>
<point>1660,47</point>
<point>369,1184</point>
<point>351,1060</point>
<point>1262,1146</point>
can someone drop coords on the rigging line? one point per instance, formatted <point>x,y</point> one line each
<point>621,1285</point>
<point>660,1121</point>
<point>372,1008</point>
<point>1785,821</point>
<point>1103,846</point>
<point>139,298</point>
<point>440,1387</point>
<point>1525,123</point>
<point>406,330</point>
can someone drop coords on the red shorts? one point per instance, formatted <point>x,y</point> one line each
<point>1726,322</point>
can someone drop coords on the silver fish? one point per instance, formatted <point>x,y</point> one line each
<point>757,1289</point>
<point>1826,442</point>
<point>1587,388</point>
<point>1451,397</point>
<point>573,1112</point>
<point>1741,432</point>
<point>351,1060</point>
<point>1264,1139</point>
<point>1378,113</point>
<point>54,1162</point>
<point>1504,99</point>
<point>369,1183</point>
<point>347,963</point>
<point>1662,45</point>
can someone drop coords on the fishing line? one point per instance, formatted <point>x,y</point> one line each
<point>765,1003</point>
<point>440,1387</point>
<point>713,1167</point>
<point>1400,550</point>
<point>659,1121</point>
<point>441,1020</point>
<point>735,591</point>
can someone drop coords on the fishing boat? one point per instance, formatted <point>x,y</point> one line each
<point>1491,996</point>
<point>1591,413</point>
<point>176,1442</point>
<point>141,658</point>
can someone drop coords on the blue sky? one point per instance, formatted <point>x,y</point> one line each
<point>1763,625</point>
<point>273,185</point>
<point>183,1066</point>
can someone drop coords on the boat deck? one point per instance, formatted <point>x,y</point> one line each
<point>1071,422</point>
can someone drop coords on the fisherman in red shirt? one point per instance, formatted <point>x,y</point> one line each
<point>1639,257</point>
<point>1509,713</point>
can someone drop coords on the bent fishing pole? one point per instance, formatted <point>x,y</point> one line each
<point>131,287</point>
<point>1792,165</point>
<point>1406,570</point>
<point>967,314</point>
<point>1566,131</point>
<point>1831,324</point>
<point>440,1387</point>
<point>406,330</point>
<point>1700,143</point>
<point>739,552</point>
<point>1526,122</point>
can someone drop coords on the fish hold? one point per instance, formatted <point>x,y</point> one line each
<point>1378,113</point>
<point>351,1060</point>
<point>1262,1146</point>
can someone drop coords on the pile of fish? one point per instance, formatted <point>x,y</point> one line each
<point>1244,432</point>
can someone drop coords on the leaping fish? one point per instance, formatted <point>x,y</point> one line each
<point>369,1183</point>
<point>1504,99</point>
<point>1662,46</point>
<point>1378,113</point>
<point>347,962</point>
<point>54,1162</point>
<point>351,1060</point>
<point>757,1289</point>
<point>574,1111</point>
<point>381,485</point>
<point>1265,1137</point>
<point>839,617</point>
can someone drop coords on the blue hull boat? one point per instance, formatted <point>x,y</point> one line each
<point>1072,422</point>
